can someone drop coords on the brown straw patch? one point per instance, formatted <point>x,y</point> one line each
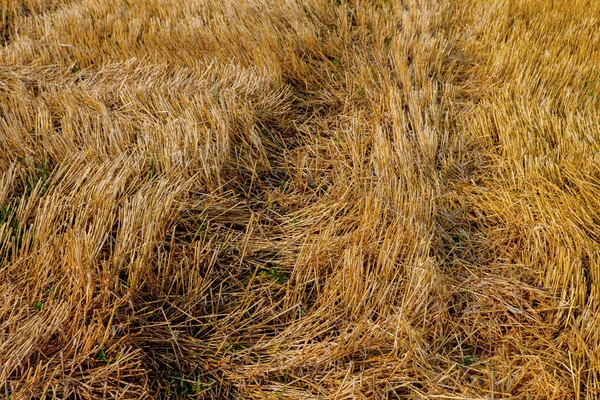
<point>299,199</point>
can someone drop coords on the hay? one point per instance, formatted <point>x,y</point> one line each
<point>304,199</point>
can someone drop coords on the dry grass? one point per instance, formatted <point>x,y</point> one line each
<point>300,199</point>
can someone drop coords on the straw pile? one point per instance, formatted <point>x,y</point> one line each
<point>299,199</point>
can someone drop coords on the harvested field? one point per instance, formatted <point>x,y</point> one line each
<point>300,199</point>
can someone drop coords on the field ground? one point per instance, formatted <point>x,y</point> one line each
<point>300,199</point>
